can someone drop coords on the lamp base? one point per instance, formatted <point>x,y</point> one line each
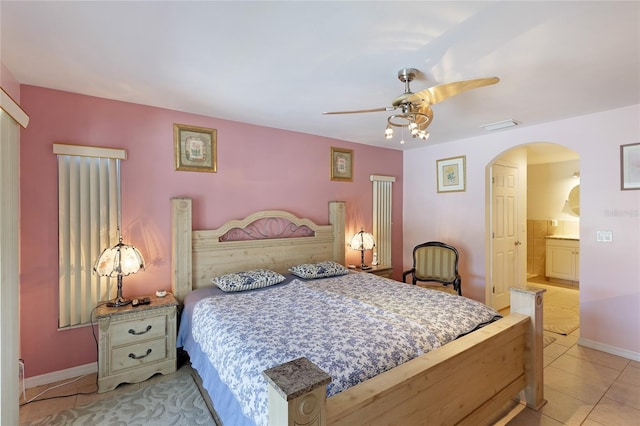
<point>364,267</point>
<point>118,302</point>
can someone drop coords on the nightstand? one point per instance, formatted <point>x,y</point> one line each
<point>136,342</point>
<point>380,270</point>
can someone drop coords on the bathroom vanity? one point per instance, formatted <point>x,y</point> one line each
<point>563,257</point>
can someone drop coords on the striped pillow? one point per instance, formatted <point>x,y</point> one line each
<point>248,280</point>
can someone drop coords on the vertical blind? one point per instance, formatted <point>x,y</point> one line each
<point>382,190</point>
<point>88,220</point>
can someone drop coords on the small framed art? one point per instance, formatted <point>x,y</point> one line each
<point>451,174</point>
<point>341,164</point>
<point>630,166</point>
<point>195,148</point>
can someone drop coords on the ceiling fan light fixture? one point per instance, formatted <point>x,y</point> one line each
<point>500,125</point>
<point>415,113</point>
<point>423,134</point>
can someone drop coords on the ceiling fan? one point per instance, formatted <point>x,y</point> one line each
<point>415,111</point>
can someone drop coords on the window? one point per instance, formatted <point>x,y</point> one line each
<point>382,207</point>
<point>88,218</point>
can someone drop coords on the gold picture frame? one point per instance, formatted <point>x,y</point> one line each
<point>630,166</point>
<point>451,174</point>
<point>341,164</point>
<point>195,148</point>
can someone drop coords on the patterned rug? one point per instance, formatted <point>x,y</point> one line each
<point>175,401</point>
<point>561,320</point>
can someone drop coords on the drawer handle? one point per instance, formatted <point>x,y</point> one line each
<point>136,333</point>
<point>141,356</point>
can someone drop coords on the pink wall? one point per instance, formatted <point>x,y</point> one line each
<point>258,168</point>
<point>609,272</point>
<point>9,83</point>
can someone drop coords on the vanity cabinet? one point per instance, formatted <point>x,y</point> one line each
<point>563,259</point>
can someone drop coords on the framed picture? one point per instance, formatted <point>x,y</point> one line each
<point>451,174</point>
<point>630,166</point>
<point>341,164</point>
<point>195,148</point>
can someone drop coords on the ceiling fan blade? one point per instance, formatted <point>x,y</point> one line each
<point>425,110</point>
<point>360,111</point>
<point>439,93</point>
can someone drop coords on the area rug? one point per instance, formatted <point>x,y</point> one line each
<point>560,320</point>
<point>175,401</point>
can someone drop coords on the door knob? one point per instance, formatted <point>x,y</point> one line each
<point>517,243</point>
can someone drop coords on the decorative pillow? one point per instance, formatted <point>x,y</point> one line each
<point>248,280</point>
<point>318,270</point>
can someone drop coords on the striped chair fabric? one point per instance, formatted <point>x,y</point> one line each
<point>435,261</point>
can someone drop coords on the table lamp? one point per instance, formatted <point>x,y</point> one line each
<point>119,261</point>
<point>363,241</point>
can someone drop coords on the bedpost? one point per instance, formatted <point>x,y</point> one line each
<point>529,301</point>
<point>297,393</point>
<point>181,265</point>
<point>337,219</point>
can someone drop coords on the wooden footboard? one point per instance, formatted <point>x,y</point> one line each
<point>464,382</point>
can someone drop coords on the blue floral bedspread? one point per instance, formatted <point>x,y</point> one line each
<point>353,327</point>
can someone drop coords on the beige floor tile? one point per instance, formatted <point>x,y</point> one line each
<point>566,298</point>
<point>626,393</point>
<point>590,422</point>
<point>595,373</point>
<point>555,350</point>
<point>612,413</point>
<point>548,360</point>
<point>597,357</point>
<point>573,385</point>
<point>566,341</point>
<point>528,417</point>
<point>631,374</point>
<point>564,408</point>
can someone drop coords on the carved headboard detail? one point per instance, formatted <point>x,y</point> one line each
<point>267,228</point>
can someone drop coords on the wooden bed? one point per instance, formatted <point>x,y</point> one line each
<point>464,382</point>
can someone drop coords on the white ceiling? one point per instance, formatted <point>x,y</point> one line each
<point>281,64</point>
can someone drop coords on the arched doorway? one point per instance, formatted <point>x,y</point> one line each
<point>511,257</point>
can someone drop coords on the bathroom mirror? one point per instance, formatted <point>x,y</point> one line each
<point>574,200</point>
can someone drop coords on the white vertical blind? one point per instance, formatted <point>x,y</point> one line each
<point>88,211</point>
<point>382,206</point>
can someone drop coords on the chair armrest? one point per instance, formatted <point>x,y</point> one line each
<point>405,273</point>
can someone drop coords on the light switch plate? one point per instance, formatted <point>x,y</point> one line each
<point>604,236</point>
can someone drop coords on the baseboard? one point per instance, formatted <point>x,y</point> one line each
<point>56,376</point>
<point>613,350</point>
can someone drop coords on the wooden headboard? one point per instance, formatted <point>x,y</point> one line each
<point>198,256</point>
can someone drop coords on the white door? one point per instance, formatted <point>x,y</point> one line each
<point>504,233</point>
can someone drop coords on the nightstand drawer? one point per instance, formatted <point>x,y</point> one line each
<point>139,354</point>
<point>135,331</point>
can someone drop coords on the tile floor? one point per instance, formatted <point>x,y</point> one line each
<point>582,386</point>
